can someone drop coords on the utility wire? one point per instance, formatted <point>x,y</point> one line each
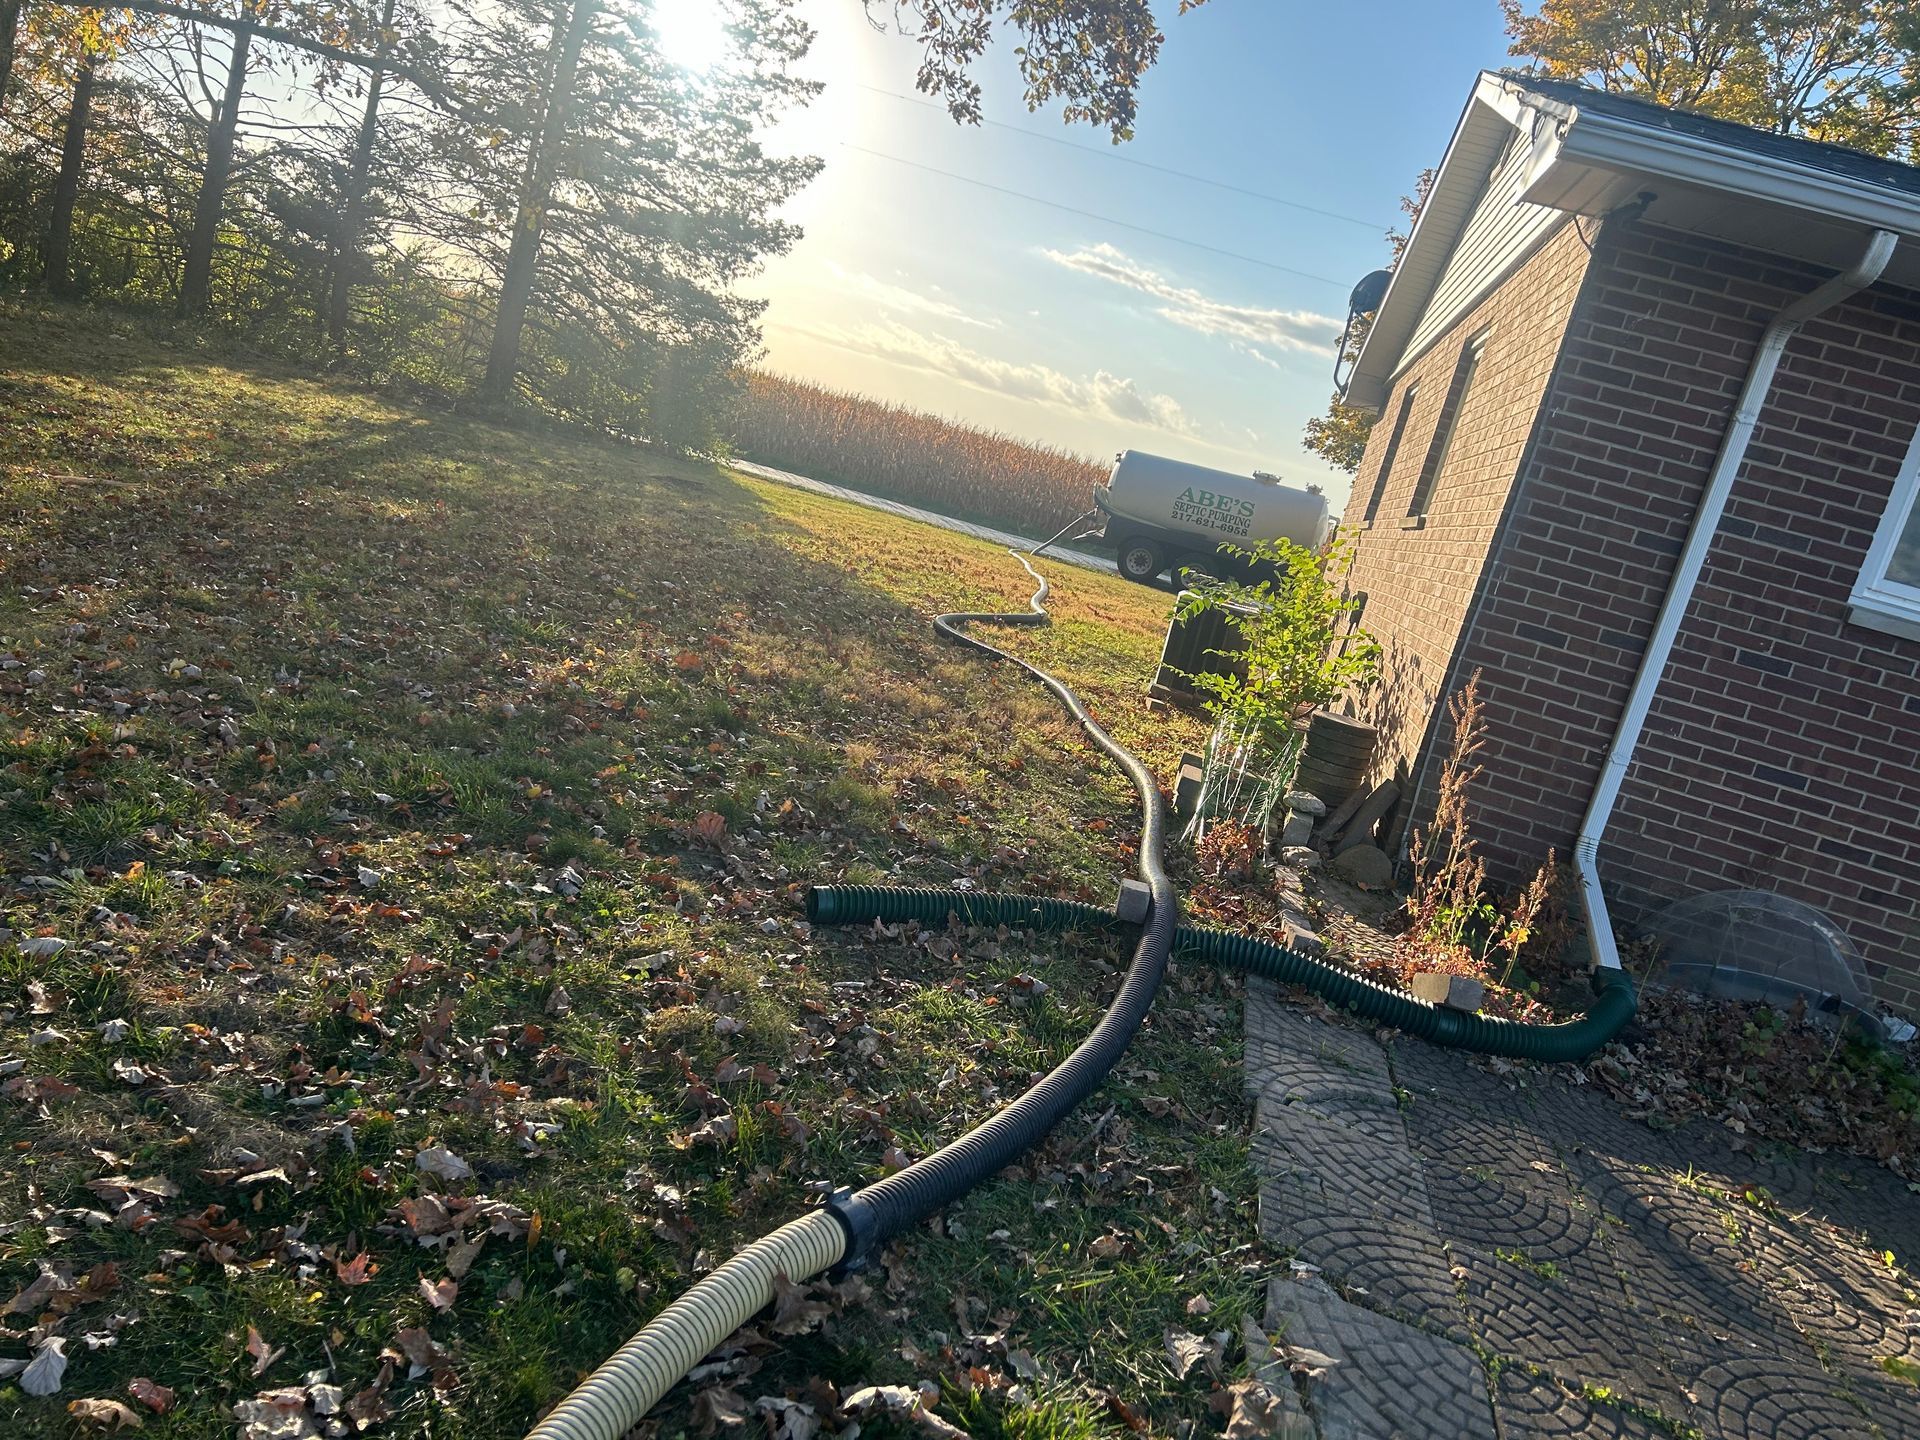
<point>1103,219</point>
<point>1373,225</point>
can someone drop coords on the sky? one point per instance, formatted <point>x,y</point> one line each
<point>1091,333</point>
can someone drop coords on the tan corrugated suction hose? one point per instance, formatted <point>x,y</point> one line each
<point>612,1400</point>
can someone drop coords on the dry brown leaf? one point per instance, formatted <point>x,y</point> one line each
<point>369,1406</point>
<point>717,1408</point>
<point>1186,1350</point>
<point>439,1294</point>
<point>263,1355</point>
<point>788,1419</point>
<point>107,1414</point>
<point>357,1271</point>
<point>156,1397</point>
<point>795,1311</point>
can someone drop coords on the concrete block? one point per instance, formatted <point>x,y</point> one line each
<point>1456,992</point>
<point>1134,901</point>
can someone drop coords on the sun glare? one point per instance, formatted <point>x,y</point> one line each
<point>692,33</point>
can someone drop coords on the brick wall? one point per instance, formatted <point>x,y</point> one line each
<point>1420,582</point>
<point>1783,749</point>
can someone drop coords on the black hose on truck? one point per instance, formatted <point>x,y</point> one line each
<point>853,1225</point>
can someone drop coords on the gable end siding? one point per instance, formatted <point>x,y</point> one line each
<point>1500,232</point>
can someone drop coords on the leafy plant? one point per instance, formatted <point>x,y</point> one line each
<point>1299,655</point>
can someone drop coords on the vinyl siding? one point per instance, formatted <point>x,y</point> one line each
<point>1498,235</point>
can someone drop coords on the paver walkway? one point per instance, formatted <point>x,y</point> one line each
<point>1510,1255</point>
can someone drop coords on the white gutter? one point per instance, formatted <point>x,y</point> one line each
<point>1686,574</point>
<point>1630,147</point>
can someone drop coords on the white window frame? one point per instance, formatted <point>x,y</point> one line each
<point>1880,602</point>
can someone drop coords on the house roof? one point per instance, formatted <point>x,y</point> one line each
<point>1588,152</point>
<point>1765,145</point>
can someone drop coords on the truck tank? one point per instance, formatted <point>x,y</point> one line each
<point>1164,512</point>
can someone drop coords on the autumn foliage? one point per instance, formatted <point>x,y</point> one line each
<point>912,456</point>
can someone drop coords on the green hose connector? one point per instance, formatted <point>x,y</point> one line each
<point>1570,1040</point>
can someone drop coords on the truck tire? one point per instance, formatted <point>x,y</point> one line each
<point>1140,560</point>
<point>1197,564</point>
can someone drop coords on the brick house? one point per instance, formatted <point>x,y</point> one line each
<point>1647,446</point>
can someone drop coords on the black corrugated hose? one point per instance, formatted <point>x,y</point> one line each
<point>847,1230</point>
<point>1569,1040</point>
<point>882,1210</point>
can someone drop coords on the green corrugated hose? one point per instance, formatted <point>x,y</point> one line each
<point>1572,1040</point>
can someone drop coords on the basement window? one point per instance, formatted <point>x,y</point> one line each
<point>1385,474</point>
<point>1887,595</point>
<point>1449,425</point>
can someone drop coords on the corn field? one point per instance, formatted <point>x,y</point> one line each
<point>911,456</point>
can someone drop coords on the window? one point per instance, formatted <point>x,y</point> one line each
<point>1443,434</point>
<point>1393,448</point>
<point>1887,595</point>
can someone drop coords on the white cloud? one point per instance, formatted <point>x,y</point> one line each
<point>1102,394</point>
<point>898,298</point>
<point>1247,326</point>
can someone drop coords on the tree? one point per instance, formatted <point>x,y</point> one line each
<point>9,31</point>
<point>66,189</point>
<point>616,200</point>
<point>536,194</point>
<point>1088,53</point>
<point>1340,436</point>
<point>1841,70</point>
<point>350,236</point>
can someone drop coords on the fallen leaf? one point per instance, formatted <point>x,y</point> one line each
<point>263,1354</point>
<point>275,1415</point>
<point>369,1406</point>
<point>717,1408</point>
<point>108,1414</point>
<point>794,1310</point>
<point>788,1419</point>
<point>438,1160</point>
<point>1304,1360</point>
<point>460,1257</point>
<point>1125,1413</point>
<point>38,1291</point>
<point>1199,1305</point>
<point>47,1368</point>
<point>1255,1412</point>
<point>357,1271</point>
<point>440,1294</point>
<point>1186,1350</point>
<point>157,1398</point>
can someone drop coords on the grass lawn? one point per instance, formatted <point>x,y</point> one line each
<point>403,971</point>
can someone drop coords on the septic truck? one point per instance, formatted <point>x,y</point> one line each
<point>1164,513</point>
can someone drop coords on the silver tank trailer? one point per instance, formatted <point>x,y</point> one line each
<point>1164,512</point>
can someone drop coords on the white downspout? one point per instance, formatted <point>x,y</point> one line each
<point>1673,609</point>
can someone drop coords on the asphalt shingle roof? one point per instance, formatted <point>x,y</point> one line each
<point>1764,145</point>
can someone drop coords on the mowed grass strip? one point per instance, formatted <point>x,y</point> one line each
<point>405,984</point>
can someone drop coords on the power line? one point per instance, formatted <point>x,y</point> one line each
<point>1103,219</point>
<point>1373,225</point>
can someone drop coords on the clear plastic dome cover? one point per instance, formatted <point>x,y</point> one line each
<point>1755,945</point>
